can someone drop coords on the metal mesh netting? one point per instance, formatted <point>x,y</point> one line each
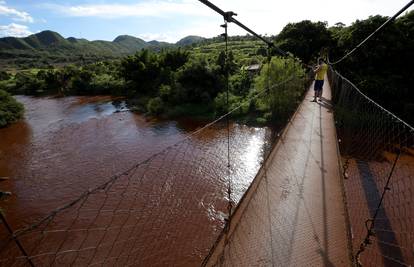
<point>164,211</point>
<point>293,214</point>
<point>378,161</point>
<point>136,216</point>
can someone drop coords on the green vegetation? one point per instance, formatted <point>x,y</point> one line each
<point>304,39</point>
<point>191,81</point>
<point>382,68</point>
<point>281,101</point>
<point>174,82</point>
<point>49,48</point>
<point>10,109</point>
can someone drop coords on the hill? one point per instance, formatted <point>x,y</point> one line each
<point>130,43</point>
<point>51,48</point>
<point>189,40</point>
<point>45,39</point>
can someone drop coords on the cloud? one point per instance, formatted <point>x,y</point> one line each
<point>156,8</point>
<point>270,16</point>
<point>15,30</point>
<point>14,13</point>
<point>207,27</point>
<point>170,20</point>
<point>265,16</point>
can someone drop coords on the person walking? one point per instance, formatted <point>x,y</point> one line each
<point>320,72</point>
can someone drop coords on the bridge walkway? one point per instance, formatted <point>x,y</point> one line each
<point>293,213</point>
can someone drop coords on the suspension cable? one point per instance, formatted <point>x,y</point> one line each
<point>229,17</point>
<point>373,33</point>
<point>226,69</point>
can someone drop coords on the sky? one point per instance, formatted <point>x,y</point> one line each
<point>171,20</point>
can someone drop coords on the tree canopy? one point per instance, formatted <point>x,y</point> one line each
<point>304,39</point>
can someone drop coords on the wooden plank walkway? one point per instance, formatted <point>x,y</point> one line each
<point>294,213</point>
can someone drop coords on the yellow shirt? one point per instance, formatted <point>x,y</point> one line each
<point>320,75</point>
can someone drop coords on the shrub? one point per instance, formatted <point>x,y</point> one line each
<point>165,92</point>
<point>220,104</point>
<point>155,106</point>
<point>280,100</point>
<point>10,109</point>
<point>4,76</point>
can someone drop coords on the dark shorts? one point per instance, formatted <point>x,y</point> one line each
<point>318,85</point>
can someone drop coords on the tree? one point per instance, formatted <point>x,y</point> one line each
<point>280,101</point>
<point>240,83</point>
<point>81,82</point>
<point>141,71</point>
<point>376,68</point>
<point>174,59</point>
<point>304,39</point>
<point>155,106</point>
<point>27,83</point>
<point>10,109</point>
<point>228,64</point>
<point>199,82</point>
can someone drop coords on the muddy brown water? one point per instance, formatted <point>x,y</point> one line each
<point>175,204</point>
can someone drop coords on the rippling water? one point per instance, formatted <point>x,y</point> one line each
<point>68,145</point>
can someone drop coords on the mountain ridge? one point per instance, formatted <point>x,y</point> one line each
<point>48,48</point>
<point>125,43</point>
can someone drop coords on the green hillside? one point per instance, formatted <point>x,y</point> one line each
<point>189,40</point>
<point>130,43</point>
<point>45,39</point>
<point>50,48</point>
<point>244,50</point>
<point>13,43</point>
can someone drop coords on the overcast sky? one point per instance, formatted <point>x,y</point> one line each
<point>170,20</point>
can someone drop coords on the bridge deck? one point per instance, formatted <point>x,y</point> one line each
<point>294,212</point>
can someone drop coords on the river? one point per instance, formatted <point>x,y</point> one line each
<point>67,146</point>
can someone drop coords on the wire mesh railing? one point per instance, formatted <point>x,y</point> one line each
<point>377,151</point>
<point>164,211</point>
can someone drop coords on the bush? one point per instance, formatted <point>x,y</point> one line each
<point>220,104</point>
<point>200,83</point>
<point>281,100</point>
<point>240,83</point>
<point>10,109</point>
<point>4,76</point>
<point>165,92</point>
<point>106,84</point>
<point>155,106</point>
<point>7,85</point>
<point>28,83</point>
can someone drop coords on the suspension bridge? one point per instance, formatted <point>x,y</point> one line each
<point>335,190</point>
<point>294,212</point>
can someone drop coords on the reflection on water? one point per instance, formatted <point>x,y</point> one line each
<point>251,154</point>
<point>68,145</point>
